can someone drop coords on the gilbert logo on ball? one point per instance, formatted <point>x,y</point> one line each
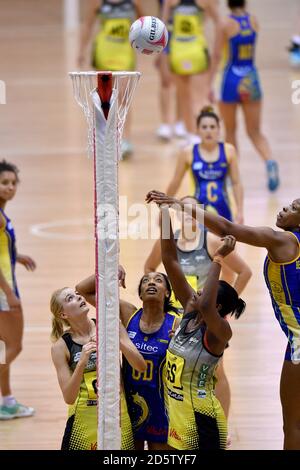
<point>148,35</point>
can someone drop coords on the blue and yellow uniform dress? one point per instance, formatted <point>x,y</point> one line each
<point>196,418</point>
<point>283,282</point>
<point>240,77</point>
<point>81,427</point>
<point>8,257</point>
<point>188,45</point>
<point>209,181</point>
<point>112,49</point>
<point>145,391</point>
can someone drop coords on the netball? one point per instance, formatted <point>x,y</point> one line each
<point>148,35</point>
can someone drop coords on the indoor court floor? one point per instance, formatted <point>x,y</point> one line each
<point>42,130</point>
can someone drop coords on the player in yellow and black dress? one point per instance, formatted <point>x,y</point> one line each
<point>11,315</point>
<point>241,85</point>
<point>196,418</point>
<point>282,275</point>
<point>111,47</point>
<point>74,356</point>
<point>189,53</point>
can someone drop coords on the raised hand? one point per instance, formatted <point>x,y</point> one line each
<point>227,246</point>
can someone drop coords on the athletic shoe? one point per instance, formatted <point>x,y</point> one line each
<point>17,411</point>
<point>179,130</point>
<point>273,176</point>
<point>126,149</point>
<point>294,51</point>
<point>164,132</point>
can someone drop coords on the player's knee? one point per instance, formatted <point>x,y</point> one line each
<point>253,133</point>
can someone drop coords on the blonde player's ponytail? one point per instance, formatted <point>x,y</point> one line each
<point>58,323</point>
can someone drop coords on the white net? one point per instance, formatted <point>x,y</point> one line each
<point>85,83</point>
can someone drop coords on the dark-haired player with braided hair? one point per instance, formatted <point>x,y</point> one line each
<point>11,315</point>
<point>196,418</point>
<point>209,164</point>
<point>149,328</point>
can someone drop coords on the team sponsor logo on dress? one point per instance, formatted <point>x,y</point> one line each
<point>146,348</point>
<point>201,393</point>
<point>193,340</point>
<point>174,435</point>
<point>203,375</point>
<point>132,334</point>
<point>156,431</point>
<point>176,396</point>
<point>197,166</point>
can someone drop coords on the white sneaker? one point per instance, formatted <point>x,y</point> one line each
<point>179,130</point>
<point>16,411</point>
<point>164,132</point>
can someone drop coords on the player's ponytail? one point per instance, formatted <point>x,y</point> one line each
<point>207,111</point>
<point>229,300</point>
<point>58,323</point>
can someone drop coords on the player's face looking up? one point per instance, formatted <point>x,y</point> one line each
<point>209,130</point>
<point>8,185</point>
<point>72,303</point>
<point>289,217</point>
<point>153,286</point>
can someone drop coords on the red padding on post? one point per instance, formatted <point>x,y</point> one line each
<point>105,91</point>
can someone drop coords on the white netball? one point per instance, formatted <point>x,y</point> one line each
<point>148,35</point>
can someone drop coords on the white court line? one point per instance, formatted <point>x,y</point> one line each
<point>40,230</point>
<point>37,329</point>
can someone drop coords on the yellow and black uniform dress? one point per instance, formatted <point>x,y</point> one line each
<point>81,427</point>
<point>127,440</point>
<point>112,49</point>
<point>196,418</point>
<point>283,282</point>
<point>8,257</point>
<point>188,46</point>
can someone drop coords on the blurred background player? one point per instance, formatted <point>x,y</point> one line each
<point>241,85</point>
<point>111,47</point>
<point>11,313</point>
<point>167,129</point>
<point>189,55</point>
<point>210,163</point>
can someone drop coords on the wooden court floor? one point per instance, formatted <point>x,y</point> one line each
<point>43,131</point>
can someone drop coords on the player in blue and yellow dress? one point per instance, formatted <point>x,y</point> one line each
<point>149,329</point>
<point>241,84</point>
<point>209,164</point>
<point>11,315</point>
<point>282,276</point>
